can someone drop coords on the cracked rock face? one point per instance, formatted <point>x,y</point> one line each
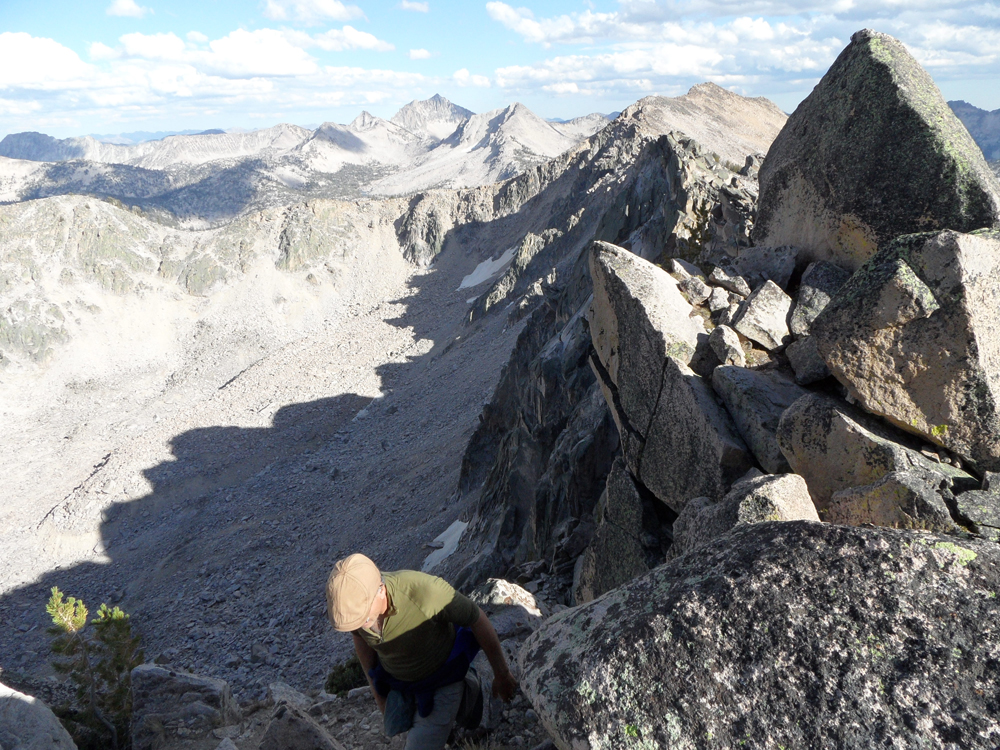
<point>872,153</point>
<point>915,336</point>
<point>914,499</point>
<point>782,634</point>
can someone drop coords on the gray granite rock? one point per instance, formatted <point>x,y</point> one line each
<point>792,635</point>
<point>28,724</point>
<point>770,497</point>
<point>763,317</point>
<point>176,710</point>
<point>692,448</point>
<point>820,281</point>
<point>872,153</point>
<point>732,282</point>
<point>766,263</point>
<point>718,299</point>
<point>981,508</point>
<point>806,362</point>
<point>291,728</point>
<point>756,399</point>
<point>695,289</point>
<point>512,610</point>
<point>837,447</point>
<point>725,342</point>
<point>911,499</point>
<point>915,337</point>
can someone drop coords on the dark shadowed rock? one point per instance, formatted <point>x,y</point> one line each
<point>766,263</point>
<point>915,336</point>
<point>28,724</point>
<point>616,554</point>
<point>756,399</point>
<point>787,635</point>
<point>806,362</point>
<point>175,709</point>
<point>836,447</point>
<point>872,153</point>
<point>981,508</point>
<point>725,342</point>
<point>912,499</point>
<point>820,282</point>
<point>770,497</point>
<point>293,729</point>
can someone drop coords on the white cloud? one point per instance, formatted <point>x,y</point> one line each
<point>101,51</point>
<point>338,40</point>
<point>411,5</point>
<point>311,11</point>
<point>464,78</point>
<point>127,8</point>
<point>153,46</point>
<point>37,63</point>
<point>197,37</point>
<point>265,52</point>
<point>419,54</point>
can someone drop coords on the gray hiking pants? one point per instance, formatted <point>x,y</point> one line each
<point>431,732</point>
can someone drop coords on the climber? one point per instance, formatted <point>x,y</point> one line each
<point>415,637</point>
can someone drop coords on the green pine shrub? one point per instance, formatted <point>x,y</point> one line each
<point>346,676</point>
<point>99,657</point>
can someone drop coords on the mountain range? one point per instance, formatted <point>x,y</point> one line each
<point>209,178</point>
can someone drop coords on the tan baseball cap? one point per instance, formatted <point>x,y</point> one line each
<point>350,591</point>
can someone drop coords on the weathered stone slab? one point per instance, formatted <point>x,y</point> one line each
<point>790,635</point>
<point>756,399</point>
<point>836,447</point>
<point>692,446</point>
<point>820,281</point>
<point>763,317</point>
<point>695,289</point>
<point>732,282</point>
<point>175,709</point>
<point>726,344</point>
<point>915,336</point>
<point>615,555</point>
<point>872,153</point>
<point>770,497</point>
<point>909,499</point>
<point>718,299</point>
<point>28,724</point>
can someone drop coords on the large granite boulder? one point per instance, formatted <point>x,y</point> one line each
<point>767,497</point>
<point>616,554</point>
<point>28,724</point>
<point>915,337</point>
<point>756,399</point>
<point>677,440</point>
<point>787,635</point>
<point>872,153</point>
<point>837,447</point>
<point>176,710</point>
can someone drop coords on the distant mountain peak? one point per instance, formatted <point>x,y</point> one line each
<point>435,118</point>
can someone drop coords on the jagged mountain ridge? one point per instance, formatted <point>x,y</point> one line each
<point>204,180</point>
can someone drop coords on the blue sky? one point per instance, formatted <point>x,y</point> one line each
<point>74,67</point>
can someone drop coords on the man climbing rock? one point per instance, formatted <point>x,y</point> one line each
<point>415,637</point>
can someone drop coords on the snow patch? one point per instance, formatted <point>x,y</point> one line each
<point>487,270</point>
<point>449,538</point>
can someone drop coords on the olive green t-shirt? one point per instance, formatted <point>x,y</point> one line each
<point>419,628</point>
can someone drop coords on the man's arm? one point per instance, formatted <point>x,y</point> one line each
<point>367,657</point>
<point>504,685</point>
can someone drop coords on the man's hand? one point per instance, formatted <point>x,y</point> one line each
<point>504,686</point>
